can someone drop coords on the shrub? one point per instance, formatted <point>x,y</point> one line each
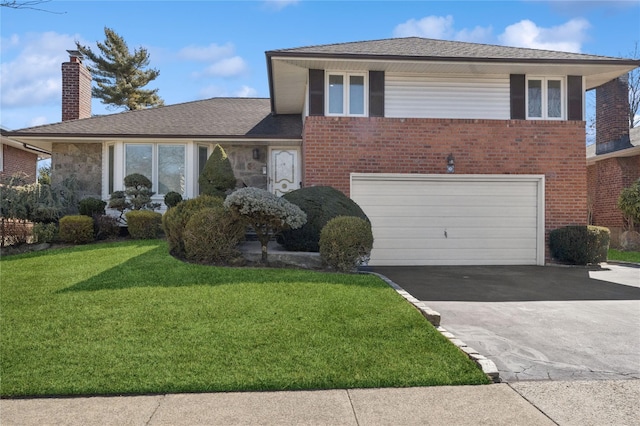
<point>138,190</point>
<point>144,224</point>
<point>172,198</point>
<point>44,232</point>
<point>217,175</point>
<point>91,206</point>
<point>76,229</point>
<point>105,227</point>
<point>346,243</point>
<point>175,219</point>
<point>629,204</point>
<point>579,244</point>
<point>212,235</point>
<point>266,213</point>
<point>321,204</point>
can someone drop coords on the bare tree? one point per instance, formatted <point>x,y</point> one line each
<point>634,90</point>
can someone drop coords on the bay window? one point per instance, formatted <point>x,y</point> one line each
<point>163,164</point>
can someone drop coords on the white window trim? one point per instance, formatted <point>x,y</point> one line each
<point>545,106</point>
<point>154,164</point>
<point>345,98</point>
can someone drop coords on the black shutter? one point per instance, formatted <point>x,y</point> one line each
<point>376,93</point>
<point>574,97</point>
<point>316,92</point>
<point>518,104</point>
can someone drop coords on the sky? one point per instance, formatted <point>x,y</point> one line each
<point>206,49</point>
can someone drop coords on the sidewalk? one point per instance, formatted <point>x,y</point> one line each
<point>522,403</point>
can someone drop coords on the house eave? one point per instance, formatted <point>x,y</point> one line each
<point>623,153</point>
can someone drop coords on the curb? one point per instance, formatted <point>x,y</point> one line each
<point>488,367</point>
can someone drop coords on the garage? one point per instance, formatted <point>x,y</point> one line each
<point>453,219</point>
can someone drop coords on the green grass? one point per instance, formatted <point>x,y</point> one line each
<point>624,256</point>
<point>127,318</point>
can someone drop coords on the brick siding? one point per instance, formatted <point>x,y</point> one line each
<point>18,161</point>
<point>334,147</point>
<point>76,91</point>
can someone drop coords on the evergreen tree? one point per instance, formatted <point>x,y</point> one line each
<point>217,176</point>
<point>121,75</point>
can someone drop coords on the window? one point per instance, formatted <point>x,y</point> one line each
<point>545,98</point>
<point>111,168</point>
<point>163,164</point>
<point>346,94</point>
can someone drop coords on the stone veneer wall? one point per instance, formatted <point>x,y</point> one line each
<point>248,171</point>
<point>82,160</point>
<point>334,147</point>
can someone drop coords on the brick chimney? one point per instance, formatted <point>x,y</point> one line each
<point>612,115</point>
<point>76,88</point>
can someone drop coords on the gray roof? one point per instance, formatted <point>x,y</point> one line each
<point>416,47</point>
<point>217,117</point>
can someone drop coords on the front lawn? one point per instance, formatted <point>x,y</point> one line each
<point>122,318</point>
<point>624,256</point>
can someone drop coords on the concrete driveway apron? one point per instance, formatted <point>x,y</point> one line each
<point>537,322</point>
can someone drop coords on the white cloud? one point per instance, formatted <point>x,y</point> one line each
<point>33,76</point>
<point>441,27</point>
<point>279,4</point>
<point>227,67</point>
<point>567,37</point>
<point>212,52</point>
<point>246,92</point>
<point>38,121</point>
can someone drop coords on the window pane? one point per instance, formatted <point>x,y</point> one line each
<point>111,166</point>
<point>554,99</point>
<point>534,91</point>
<point>356,94</point>
<point>202,160</point>
<point>138,159</point>
<point>336,94</point>
<point>171,169</point>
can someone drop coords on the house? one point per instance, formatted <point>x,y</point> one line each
<point>459,153</point>
<point>19,159</point>
<point>613,162</point>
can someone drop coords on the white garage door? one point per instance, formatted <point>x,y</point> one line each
<point>453,219</point>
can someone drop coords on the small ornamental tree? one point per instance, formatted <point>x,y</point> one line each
<point>266,213</point>
<point>629,204</point>
<point>136,196</point>
<point>217,176</point>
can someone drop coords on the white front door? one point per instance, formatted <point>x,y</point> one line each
<point>284,170</point>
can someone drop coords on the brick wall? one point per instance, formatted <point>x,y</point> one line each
<point>18,161</point>
<point>612,115</point>
<point>334,147</point>
<point>76,90</point>
<point>606,180</point>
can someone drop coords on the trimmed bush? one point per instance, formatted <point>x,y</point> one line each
<point>172,198</point>
<point>346,243</point>
<point>44,232</point>
<point>91,206</point>
<point>105,227</point>
<point>321,204</point>
<point>217,176</point>
<point>265,212</point>
<point>579,244</point>
<point>144,224</point>
<point>76,229</point>
<point>175,219</point>
<point>212,235</point>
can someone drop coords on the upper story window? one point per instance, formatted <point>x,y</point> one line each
<point>346,94</point>
<point>545,98</point>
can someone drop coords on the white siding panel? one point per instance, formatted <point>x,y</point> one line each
<point>453,219</point>
<point>461,97</point>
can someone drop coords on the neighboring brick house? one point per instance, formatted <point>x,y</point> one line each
<point>459,153</point>
<point>613,162</point>
<point>19,159</point>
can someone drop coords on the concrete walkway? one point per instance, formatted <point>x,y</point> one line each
<point>524,403</point>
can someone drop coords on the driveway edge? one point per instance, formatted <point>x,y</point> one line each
<point>488,367</point>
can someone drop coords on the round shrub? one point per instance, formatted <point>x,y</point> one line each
<point>76,229</point>
<point>144,224</point>
<point>212,235</point>
<point>321,204</point>
<point>91,206</point>
<point>172,198</point>
<point>579,244</point>
<point>175,219</point>
<point>44,232</point>
<point>346,243</point>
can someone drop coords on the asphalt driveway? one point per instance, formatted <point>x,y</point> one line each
<point>537,322</point>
